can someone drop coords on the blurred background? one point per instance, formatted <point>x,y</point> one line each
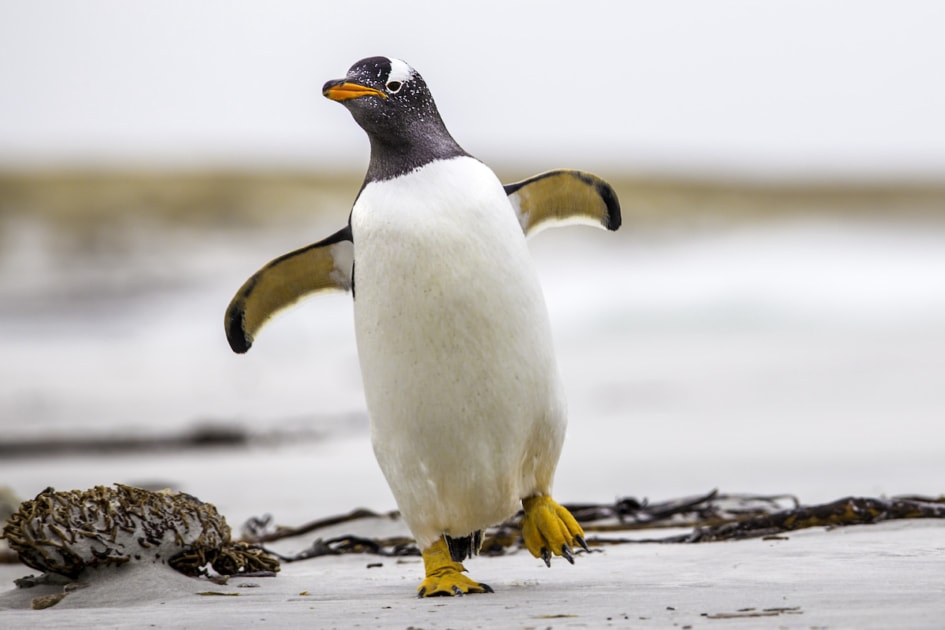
<point>770,318</point>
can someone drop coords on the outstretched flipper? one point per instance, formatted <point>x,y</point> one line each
<point>564,197</point>
<point>324,266</point>
<point>558,197</point>
<point>444,576</point>
<point>548,528</point>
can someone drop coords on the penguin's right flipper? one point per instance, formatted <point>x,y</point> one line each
<point>327,265</point>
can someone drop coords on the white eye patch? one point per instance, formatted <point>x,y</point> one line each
<point>400,71</point>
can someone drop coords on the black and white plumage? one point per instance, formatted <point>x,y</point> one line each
<point>467,408</point>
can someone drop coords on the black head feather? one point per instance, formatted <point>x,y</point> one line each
<point>399,115</point>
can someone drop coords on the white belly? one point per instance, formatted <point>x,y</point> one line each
<point>467,411</point>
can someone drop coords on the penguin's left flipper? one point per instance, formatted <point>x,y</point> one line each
<point>323,266</point>
<point>564,197</point>
<point>549,528</point>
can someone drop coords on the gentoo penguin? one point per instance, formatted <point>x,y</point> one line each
<point>460,378</point>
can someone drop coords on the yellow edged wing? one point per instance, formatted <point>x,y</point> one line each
<point>564,197</point>
<point>324,266</point>
<point>559,197</point>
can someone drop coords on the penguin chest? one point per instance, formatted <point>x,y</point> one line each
<point>446,292</point>
<point>453,337</point>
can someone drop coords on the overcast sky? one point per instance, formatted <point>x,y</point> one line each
<point>811,87</point>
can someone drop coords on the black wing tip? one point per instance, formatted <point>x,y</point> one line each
<point>603,189</point>
<point>609,195</point>
<point>236,335</point>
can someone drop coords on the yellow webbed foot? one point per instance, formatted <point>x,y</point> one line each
<point>549,529</point>
<point>445,577</point>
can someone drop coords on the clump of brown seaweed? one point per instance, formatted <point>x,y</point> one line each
<point>68,532</point>
<point>712,517</point>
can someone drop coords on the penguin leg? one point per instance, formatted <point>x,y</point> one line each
<point>445,577</point>
<point>548,528</point>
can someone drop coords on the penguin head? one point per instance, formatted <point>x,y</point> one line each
<point>392,103</point>
<point>386,96</point>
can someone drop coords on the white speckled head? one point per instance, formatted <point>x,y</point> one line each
<point>400,70</point>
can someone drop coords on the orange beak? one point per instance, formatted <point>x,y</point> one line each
<point>342,90</point>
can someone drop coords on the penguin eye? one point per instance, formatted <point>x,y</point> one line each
<point>394,86</point>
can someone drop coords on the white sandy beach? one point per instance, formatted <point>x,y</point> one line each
<point>877,576</point>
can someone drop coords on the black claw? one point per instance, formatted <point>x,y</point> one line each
<point>566,552</point>
<point>422,592</point>
<point>457,591</point>
<point>546,556</point>
<point>580,540</point>
<point>486,588</point>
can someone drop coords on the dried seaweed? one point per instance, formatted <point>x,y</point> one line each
<point>44,530</point>
<point>843,512</point>
<point>397,546</point>
<point>712,517</point>
<point>71,531</point>
<point>255,529</point>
